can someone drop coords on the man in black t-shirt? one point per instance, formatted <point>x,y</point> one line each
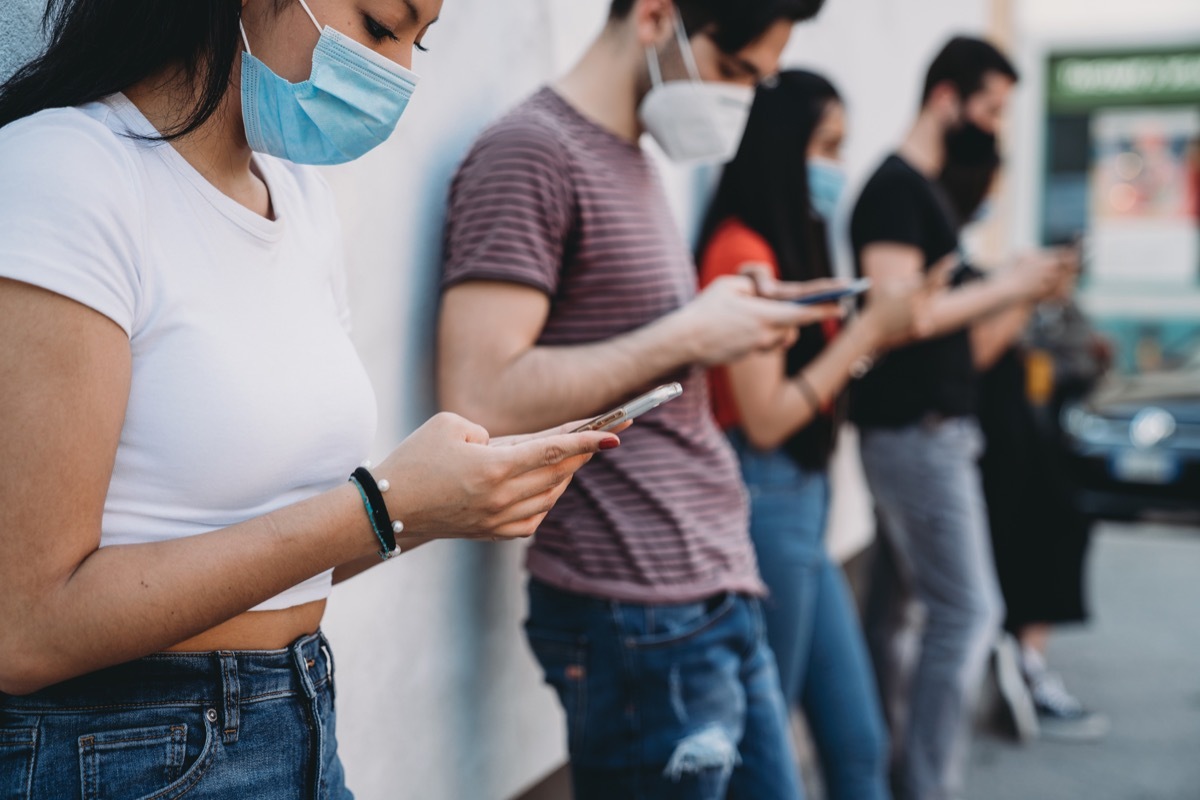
<point>920,441</point>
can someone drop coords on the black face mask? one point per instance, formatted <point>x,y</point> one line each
<point>970,145</point>
<point>967,185</point>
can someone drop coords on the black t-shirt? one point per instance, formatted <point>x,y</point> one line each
<point>936,376</point>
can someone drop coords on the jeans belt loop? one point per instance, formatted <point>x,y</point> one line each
<point>232,692</point>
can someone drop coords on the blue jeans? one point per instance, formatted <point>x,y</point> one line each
<point>812,624</point>
<point>677,702</point>
<point>928,494</point>
<point>207,726</point>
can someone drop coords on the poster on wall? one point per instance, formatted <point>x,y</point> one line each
<point>1143,204</point>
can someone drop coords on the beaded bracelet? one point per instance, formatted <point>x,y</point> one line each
<point>385,528</point>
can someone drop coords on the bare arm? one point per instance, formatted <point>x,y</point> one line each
<point>69,607</point>
<point>491,369</point>
<point>955,309</point>
<point>772,406</point>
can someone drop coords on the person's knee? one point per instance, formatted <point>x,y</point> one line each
<point>965,626</point>
<point>705,754</point>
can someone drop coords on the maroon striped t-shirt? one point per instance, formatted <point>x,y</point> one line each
<point>549,199</point>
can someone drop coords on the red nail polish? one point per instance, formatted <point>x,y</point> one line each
<point>609,444</point>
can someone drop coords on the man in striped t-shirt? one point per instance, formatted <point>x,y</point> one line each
<point>567,290</point>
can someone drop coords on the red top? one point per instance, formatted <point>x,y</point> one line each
<point>732,247</point>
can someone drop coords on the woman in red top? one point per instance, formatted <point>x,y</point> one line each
<point>781,410</point>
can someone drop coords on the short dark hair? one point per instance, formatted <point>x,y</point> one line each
<point>734,24</point>
<point>965,62</point>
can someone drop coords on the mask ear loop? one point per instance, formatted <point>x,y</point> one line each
<point>245,41</point>
<point>655,70</point>
<point>308,11</point>
<point>685,47</point>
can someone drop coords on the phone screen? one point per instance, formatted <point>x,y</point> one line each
<point>633,409</point>
<point>854,289</point>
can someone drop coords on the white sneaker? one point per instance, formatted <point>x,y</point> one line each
<point>1014,692</point>
<point>1060,715</point>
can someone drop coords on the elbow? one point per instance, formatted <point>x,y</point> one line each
<point>475,408</point>
<point>764,437</point>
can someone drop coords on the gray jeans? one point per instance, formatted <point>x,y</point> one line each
<point>925,480</point>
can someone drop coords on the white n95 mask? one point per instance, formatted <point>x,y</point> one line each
<point>694,121</point>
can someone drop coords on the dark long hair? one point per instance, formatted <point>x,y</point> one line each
<point>98,47</point>
<point>766,184</point>
<point>765,188</point>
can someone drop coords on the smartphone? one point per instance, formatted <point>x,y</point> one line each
<point>861,286</point>
<point>633,409</point>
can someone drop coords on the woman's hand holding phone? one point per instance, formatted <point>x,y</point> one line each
<point>450,480</point>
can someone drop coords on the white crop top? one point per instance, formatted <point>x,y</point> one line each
<point>247,394</point>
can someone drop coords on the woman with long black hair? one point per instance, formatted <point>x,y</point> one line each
<point>1040,538</point>
<point>782,410</point>
<point>182,413</point>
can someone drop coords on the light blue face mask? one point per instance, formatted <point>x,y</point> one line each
<point>826,182</point>
<point>349,105</point>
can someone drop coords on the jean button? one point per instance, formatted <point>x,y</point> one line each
<point>212,715</point>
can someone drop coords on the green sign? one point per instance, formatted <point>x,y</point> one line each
<point>1089,81</point>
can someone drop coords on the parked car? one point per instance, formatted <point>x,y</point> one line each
<point>1134,444</point>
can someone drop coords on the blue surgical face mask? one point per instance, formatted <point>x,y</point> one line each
<point>349,105</point>
<point>826,182</point>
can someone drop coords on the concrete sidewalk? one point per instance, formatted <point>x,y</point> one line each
<point>1139,663</point>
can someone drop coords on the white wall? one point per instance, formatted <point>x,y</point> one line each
<point>20,36</point>
<point>439,698</point>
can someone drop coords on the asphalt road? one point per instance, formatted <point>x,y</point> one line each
<point>1138,661</point>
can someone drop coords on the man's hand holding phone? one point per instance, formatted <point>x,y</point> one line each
<point>740,314</point>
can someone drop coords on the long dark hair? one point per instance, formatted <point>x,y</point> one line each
<point>766,184</point>
<point>765,188</point>
<point>98,47</point>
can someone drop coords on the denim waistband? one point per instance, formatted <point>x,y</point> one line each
<point>220,679</point>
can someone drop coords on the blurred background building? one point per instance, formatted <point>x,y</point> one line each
<point>439,698</point>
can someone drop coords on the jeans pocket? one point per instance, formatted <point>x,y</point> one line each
<point>563,657</point>
<point>147,762</point>
<point>18,748</point>
<point>673,625</point>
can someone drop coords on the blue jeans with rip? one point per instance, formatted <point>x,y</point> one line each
<point>205,726</point>
<point>665,702</point>
<point>812,624</point>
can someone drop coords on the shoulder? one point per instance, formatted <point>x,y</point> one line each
<point>891,200</point>
<point>72,210</point>
<point>66,148</point>
<point>893,177</point>
<point>531,133</point>
<point>733,245</point>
